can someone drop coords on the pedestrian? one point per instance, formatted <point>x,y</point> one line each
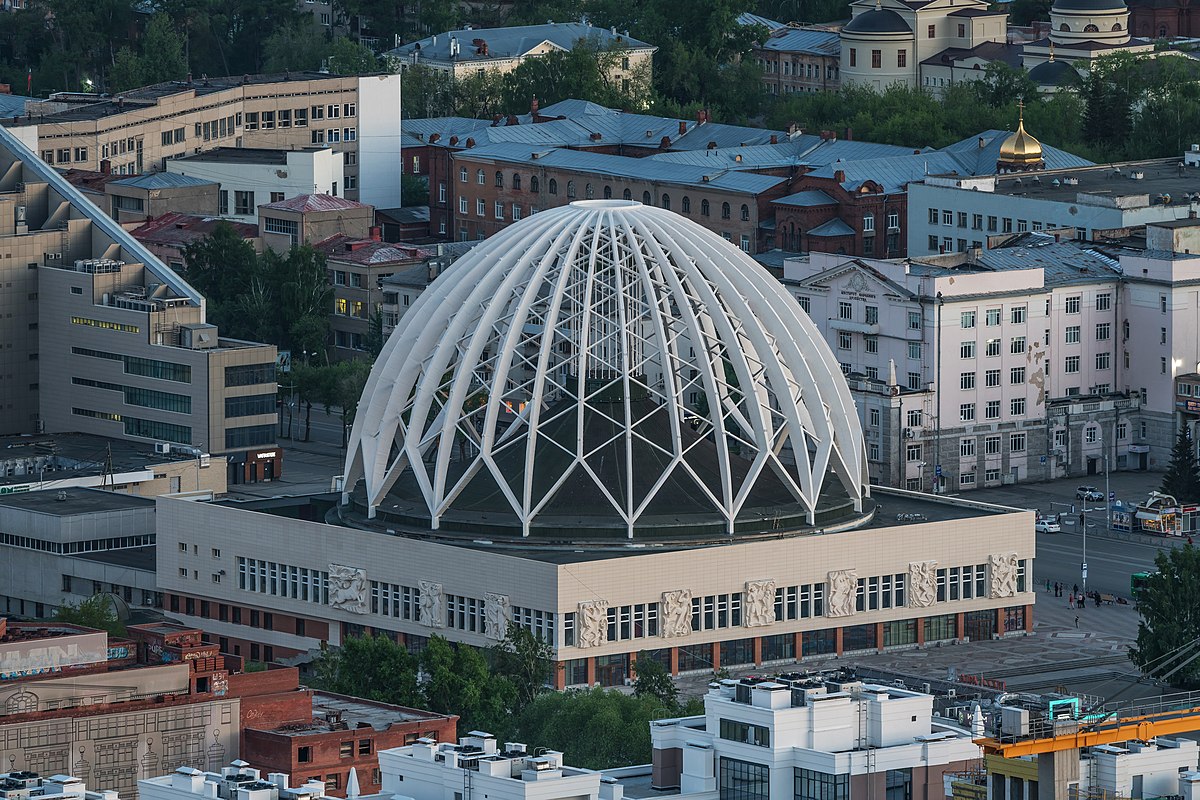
<point>1076,620</point>
<point>1048,580</point>
<point>1071,601</point>
<point>1076,589</point>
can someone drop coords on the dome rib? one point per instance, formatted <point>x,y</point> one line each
<point>607,360</point>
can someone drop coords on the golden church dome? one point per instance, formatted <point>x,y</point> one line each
<point>1021,149</point>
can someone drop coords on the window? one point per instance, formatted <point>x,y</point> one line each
<point>1162,335</point>
<point>480,177</point>
<point>991,446</point>
<point>685,206</point>
<point>1071,305</point>
<point>1017,406</point>
<point>1090,434</point>
<point>742,780</point>
<point>804,302</point>
<point>914,381</point>
<point>1072,334</point>
<point>991,377</point>
<point>745,212</point>
<point>871,344</point>
<point>704,208</point>
<point>966,350</point>
<point>914,320</point>
<point>1016,375</point>
<point>913,418</point>
<point>499,210</point>
<point>868,223</point>
<point>966,479</point>
<point>914,350</point>
<point>1018,346</point>
<point>966,380</point>
<point>516,212</point>
<point>480,207</point>
<point>1103,360</point>
<point>552,187</point>
<point>1071,365</point>
<point>346,750</point>
<point>947,217</point>
<point>1122,430</point>
<point>874,416</point>
<point>243,203</point>
<point>992,410</point>
<point>1103,331</point>
<point>300,117</point>
<point>853,57</point>
<point>933,216</point>
<point>1162,365</point>
<point>462,205</point>
<point>967,319</point>
<point>814,785</point>
<point>966,412</point>
<point>912,453</point>
<point>962,219</point>
<point>893,221</point>
<point>931,32</point>
<point>991,347</point>
<point>993,317</point>
<point>901,58</point>
<point>1103,301</point>
<point>1162,303</point>
<point>725,211</point>
<point>845,310</point>
<point>1016,442</point>
<point>462,174</point>
<point>966,447</point>
<point>992,224</point>
<point>845,341</point>
<point>745,733</point>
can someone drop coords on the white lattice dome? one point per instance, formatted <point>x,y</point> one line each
<point>606,369</point>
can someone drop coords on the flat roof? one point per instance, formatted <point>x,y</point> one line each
<point>73,502</point>
<point>139,558</point>
<point>242,155</point>
<point>1160,176</point>
<point>80,454</point>
<point>354,713</point>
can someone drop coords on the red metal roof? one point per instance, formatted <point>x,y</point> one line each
<point>179,230</point>
<point>315,202</point>
<point>350,250</point>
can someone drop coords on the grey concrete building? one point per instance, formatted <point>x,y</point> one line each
<point>102,337</point>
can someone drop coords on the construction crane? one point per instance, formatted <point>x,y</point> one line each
<point>1170,714</point>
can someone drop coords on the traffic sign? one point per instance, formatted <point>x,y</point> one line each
<point>1042,459</point>
<point>1112,496</point>
<point>1084,570</point>
<point>283,361</point>
<point>937,470</point>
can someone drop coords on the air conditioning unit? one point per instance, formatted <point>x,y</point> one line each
<point>909,433</point>
<point>162,448</point>
<point>951,692</point>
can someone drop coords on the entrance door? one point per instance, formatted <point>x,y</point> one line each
<point>269,469</point>
<point>1092,467</point>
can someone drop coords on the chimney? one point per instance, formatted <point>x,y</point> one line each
<point>106,167</point>
<point>682,127</point>
<point>433,137</point>
<point>533,107</point>
<point>453,141</point>
<point>376,233</point>
<point>699,116</point>
<point>470,142</point>
<point>120,102</point>
<point>512,120</point>
<point>774,139</point>
<point>839,175</point>
<point>496,120</point>
<point>849,134</point>
<point>982,144</point>
<point>712,146</point>
<point>189,79</point>
<point>665,143</point>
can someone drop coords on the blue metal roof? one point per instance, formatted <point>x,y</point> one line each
<point>699,137</point>
<point>512,42</point>
<point>787,153</point>
<point>13,105</point>
<point>161,180</point>
<point>794,40</point>
<point>631,168</point>
<point>893,174</point>
<point>834,227</point>
<point>1062,262</point>
<point>746,18</point>
<point>976,160</point>
<point>812,197</point>
<point>575,108</point>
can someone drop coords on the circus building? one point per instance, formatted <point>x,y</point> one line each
<point>610,426</point>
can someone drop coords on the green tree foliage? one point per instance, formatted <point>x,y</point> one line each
<point>803,10</point>
<point>538,12</point>
<point>525,660</point>
<point>585,72</point>
<point>654,680</point>
<point>437,16</point>
<point>296,47</point>
<point>414,190</point>
<point>1182,478</point>
<point>457,681</point>
<point>1170,625</point>
<point>350,58</point>
<point>161,58</point>
<point>372,667</point>
<point>426,92</point>
<point>94,612</point>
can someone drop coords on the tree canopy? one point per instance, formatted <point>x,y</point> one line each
<point>1182,478</point>
<point>93,612</point>
<point>1168,638</point>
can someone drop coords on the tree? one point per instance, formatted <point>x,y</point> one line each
<point>457,681</point>
<point>297,47</point>
<point>414,190</point>
<point>527,662</point>
<point>350,58</point>
<point>94,612</point>
<point>654,680</point>
<point>372,667</point>
<point>126,72</point>
<point>438,16</point>
<point>1182,479</point>
<point>1169,606</point>
<point>162,51</point>
<point>223,266</point>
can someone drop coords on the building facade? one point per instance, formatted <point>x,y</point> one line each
<point>139,130</point>
<point>250,177</point>
<point>800,59</point>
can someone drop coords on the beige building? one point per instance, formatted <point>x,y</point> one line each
<point>103,338</point>
<point>463,53</point>
<point>137,131</point>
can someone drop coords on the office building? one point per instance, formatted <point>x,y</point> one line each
<point>683,522</point>
<point>106,339</point>
<point>250,177</point>
<point>137,131</point>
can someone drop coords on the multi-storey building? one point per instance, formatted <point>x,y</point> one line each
<point>250,177</point>
<point>800,59</point>
<point>137,131</point>
<point>106,339</point>
<point>804,736</point>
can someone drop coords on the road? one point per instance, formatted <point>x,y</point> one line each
<point>1110,562</point>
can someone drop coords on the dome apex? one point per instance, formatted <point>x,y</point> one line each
<point>1021,151</point>
<point>609,367</point>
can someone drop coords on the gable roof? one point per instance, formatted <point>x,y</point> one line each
<point>179,230</point>
<point>307,203</point>
<point>852,264</point>
<point>162,180</point>
<point>974,159</point>
<point>805,40</point>
<point>834,227</point>
<point>809,198</point>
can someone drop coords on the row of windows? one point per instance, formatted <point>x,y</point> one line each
<point>464,613</point>
<point>993,347</point>
<point>145,428</point>
<point>250,374</point>
<point>283,580</point>
<point>63,155</point>
<point>394,600</point>
<point>298,117</point>
<point>250,435</point>
<point>991,378</point>
<point>632,621</point>
<point>144,367</point>
<point>539,623</point>
<point>249,405</point>
<point>958,219</point>
<point>89,546</point>
<point>884,591</point>
<point>333,136</point>
<point>745,732</point>
<point>1017,443</point>
<point>105,324</point>
<point>799,602</point>
<point>717,611</point>
<point>1016,315</point>
<point>967,411</point>
<point>147,398</point>
<point>877,58</point>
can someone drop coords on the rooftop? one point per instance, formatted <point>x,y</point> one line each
<point>135,101</point>
<point>139,558</point>
<point>314,203</point>
<point>74,502</point>
<point>179,230</point>
<point>368,252</point>
<point>332,712</point>
<point>814,41</point>
<point>163,180</point>
<point>504,43</point>
<point>55,456</point>
<point>1161,176</point>
<point>243,155</point>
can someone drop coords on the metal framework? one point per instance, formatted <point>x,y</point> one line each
<point>616,342</point>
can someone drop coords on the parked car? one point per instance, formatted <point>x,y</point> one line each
<point>1047,525</point>
<point>1088,493</point>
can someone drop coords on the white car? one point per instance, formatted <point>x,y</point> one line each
<point>1088,493</point>
<point>1046,526</point>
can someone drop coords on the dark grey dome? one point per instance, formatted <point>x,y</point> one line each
<point>1113,6</point>
<point>881,20</point>
<point>1054,73</point>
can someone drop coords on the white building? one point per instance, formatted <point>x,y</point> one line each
<point>428,770</point>
<point>824,737</point>
<point>250,177</point>
<point>31,786</point>
<point>236,782</point>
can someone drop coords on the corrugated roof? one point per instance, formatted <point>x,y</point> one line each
<point>975,160</point>
<point>161,180</point>
<point>1062,262</point>
<point>368,252</point>
<point>746,18</point>
<point>800,40</point>
<point>630,168</point>
<point>699,137</point>
<point>893,174</point>
<point>812,197</point>
<point>306,203</point>
<point>828,151</point>
<point>13,105</point>
<point>787,153</point>
<point>834,227</point>
<point>179,230</point>
<point>503,43</point>
<point>575,108</point>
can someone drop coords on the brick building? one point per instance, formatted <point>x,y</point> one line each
<point>344,733</point>
<point>800,59</point>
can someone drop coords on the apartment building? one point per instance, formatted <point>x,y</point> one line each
<point>106,339</point>
<point>1035,359</point>
<point>137,131</point>
<point>828,735</point>
<point>252,176</point>
<point>800,59</point>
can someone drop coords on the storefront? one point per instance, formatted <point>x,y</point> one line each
<point>255,466</point>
